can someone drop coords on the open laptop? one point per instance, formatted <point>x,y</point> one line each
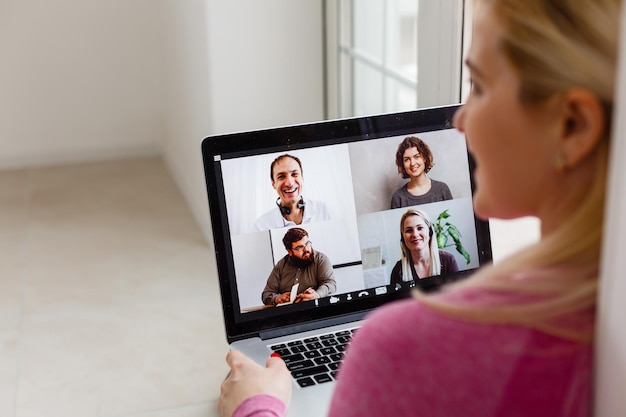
<point>349,165</point>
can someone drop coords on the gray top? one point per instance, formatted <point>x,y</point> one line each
<point>318,275</point>
<point>439,191</point>
<point>448,264</point>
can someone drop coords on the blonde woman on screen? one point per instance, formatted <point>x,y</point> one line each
<point>421,257</point>
<point>516,339</point>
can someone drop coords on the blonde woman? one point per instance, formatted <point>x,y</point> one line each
<point>421,257</point>
<point>516,338</point>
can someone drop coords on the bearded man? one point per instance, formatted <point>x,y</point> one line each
<point>310,269</point>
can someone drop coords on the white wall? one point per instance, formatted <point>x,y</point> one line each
<point>187,109</point>
<point>79,80</point>
<point>237,65</point>
<point>267,63</point>
<point>84,80</point>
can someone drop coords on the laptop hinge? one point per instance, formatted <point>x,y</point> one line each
<point>299,328</point>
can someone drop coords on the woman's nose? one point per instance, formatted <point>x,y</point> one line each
<point>459,118</point>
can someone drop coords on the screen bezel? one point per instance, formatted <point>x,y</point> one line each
<point>243,325</point>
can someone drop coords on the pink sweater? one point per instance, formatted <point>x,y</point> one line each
<point>420,363</point>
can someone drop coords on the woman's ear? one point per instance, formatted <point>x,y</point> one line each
<point>584,124</point>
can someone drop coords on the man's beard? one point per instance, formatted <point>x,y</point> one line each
<point>302,263</point>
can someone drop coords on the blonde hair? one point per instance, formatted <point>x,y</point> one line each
<point>407,262</point>
<point>554,46</point>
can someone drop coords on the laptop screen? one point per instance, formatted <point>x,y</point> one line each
<point>381,205</point>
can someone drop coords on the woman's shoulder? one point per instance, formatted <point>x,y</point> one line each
<point>448,262</point>
<point>411,348</point>
<point>413,326</point>
<point>438,184</point>
<point>401,191</point>
<point>433,323</point>
<point>426,324</point>
<point>400,314</point>
<point>445,255</point>
<point>440,187</point>
<point>396,273</point>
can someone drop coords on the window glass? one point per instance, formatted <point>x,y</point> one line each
<point>368,90</point>
<point>378,50</point>
<point>399,96</point>
<point>369,28</point>
<point>402,37</point>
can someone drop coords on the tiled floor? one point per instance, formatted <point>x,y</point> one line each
<point>109,304</point>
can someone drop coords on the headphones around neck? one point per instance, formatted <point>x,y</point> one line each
<point>284,210</point>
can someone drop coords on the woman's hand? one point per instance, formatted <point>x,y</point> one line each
<point>247,378</point>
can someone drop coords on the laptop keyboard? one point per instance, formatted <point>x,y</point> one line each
<point>315,360</point>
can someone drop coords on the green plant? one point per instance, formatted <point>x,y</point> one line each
<point>445,230</point>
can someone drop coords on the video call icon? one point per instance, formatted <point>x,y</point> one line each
<point>381,290</point>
